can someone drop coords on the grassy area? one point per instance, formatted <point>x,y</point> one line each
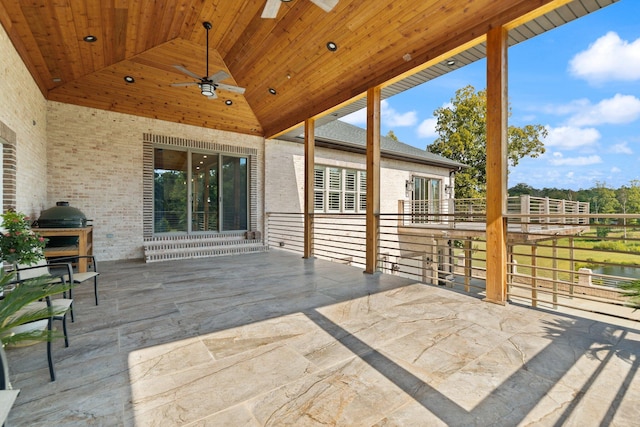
<point>589,251</point>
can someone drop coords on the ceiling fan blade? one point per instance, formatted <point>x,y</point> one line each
<point>187,72</point>
<point>230,88</point>
<point>185,84</point>
<point>220,75</point>
<point>325,5</point>
<point>271,9</point>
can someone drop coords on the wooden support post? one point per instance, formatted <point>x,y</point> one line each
<point>467,265</point>
<point>497,111</point>
<point>572,265</point>
<point>373,179</point>
<point>534,276</point>
<point>554,257</point>
<point>309,161</point>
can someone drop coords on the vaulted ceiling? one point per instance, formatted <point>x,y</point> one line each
<point>377,41</point>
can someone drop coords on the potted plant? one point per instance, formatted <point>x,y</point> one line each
<point>20,245</point>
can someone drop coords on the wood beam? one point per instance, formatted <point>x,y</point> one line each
<point>373,179</point>
<point>497,110</point>
<point>309,161</point>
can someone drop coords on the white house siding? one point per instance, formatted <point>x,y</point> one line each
<point>95,163</point>
<point>284,170</point>
<point>284,191</point>
<point>23,116</point>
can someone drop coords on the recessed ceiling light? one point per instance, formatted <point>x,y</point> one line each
<point>272,91</point>
<point>332,46</point>
<point>90,38</point>
<point>228,102</point>
<point>129,79</point>
<point>56,79</point>
<point>451,62</point>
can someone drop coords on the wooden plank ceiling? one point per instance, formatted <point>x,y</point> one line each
<point>377,41</point>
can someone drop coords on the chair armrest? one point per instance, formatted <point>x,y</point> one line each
<point>74,258</point>
<point>49,265</point>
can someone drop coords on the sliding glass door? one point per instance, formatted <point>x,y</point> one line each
<point>204,192</point>
<point>199,192</point>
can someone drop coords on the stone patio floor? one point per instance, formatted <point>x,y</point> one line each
<point>272,339</point>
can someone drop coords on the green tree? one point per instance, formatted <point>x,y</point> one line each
<point>523,189</point>
<point>462,137</point>
<point>391,134</point>
<point>633,197</point>
<point>604,199</point>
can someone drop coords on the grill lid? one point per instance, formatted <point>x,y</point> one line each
<point>62,215</point>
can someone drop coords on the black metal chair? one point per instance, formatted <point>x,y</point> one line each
<point>44,312</point>
<point>81,277</point>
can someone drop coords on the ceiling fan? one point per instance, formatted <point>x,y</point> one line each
<point>208,85</point>
<point>272,6</point>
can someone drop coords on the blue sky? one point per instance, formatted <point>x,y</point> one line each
<point>581,81</point>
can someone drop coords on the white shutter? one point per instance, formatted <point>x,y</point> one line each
<point>318,201</point>
<point>333,204</point>
<point>350,180</point>
<point>318,179</point>
<point>362,194</point>
<point>335,179</point>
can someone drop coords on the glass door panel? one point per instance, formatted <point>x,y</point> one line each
<point>204,192</point>
<point>234,193</point>
<point>434,199</point>
<point>170,191</point>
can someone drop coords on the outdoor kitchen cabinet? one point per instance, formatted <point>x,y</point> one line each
<point>83,248</point>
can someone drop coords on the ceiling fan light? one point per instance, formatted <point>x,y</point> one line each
<point>207,89</point>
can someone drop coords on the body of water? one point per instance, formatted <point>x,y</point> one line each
<point>611,270</point>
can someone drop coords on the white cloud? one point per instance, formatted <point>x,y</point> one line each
<point>617,110</point>
<point>608,58</point>
<point>389,116</point>
<point>576,161</point>
<point>427,128</point>
<point>570,108</point>
<point>356,118</point>
<point>615,170</point>
<point>621,148</point>
<point>571,138</point>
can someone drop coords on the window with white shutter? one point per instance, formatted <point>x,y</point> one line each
<point>339,190</point>
<point>319,187</point>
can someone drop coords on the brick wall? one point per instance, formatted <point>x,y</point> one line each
<point>95,162</point>
<point>23,123</point>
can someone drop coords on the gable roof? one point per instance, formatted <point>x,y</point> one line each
<point>347,137</point>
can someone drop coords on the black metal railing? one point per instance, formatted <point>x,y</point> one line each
<point>574,265</point>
